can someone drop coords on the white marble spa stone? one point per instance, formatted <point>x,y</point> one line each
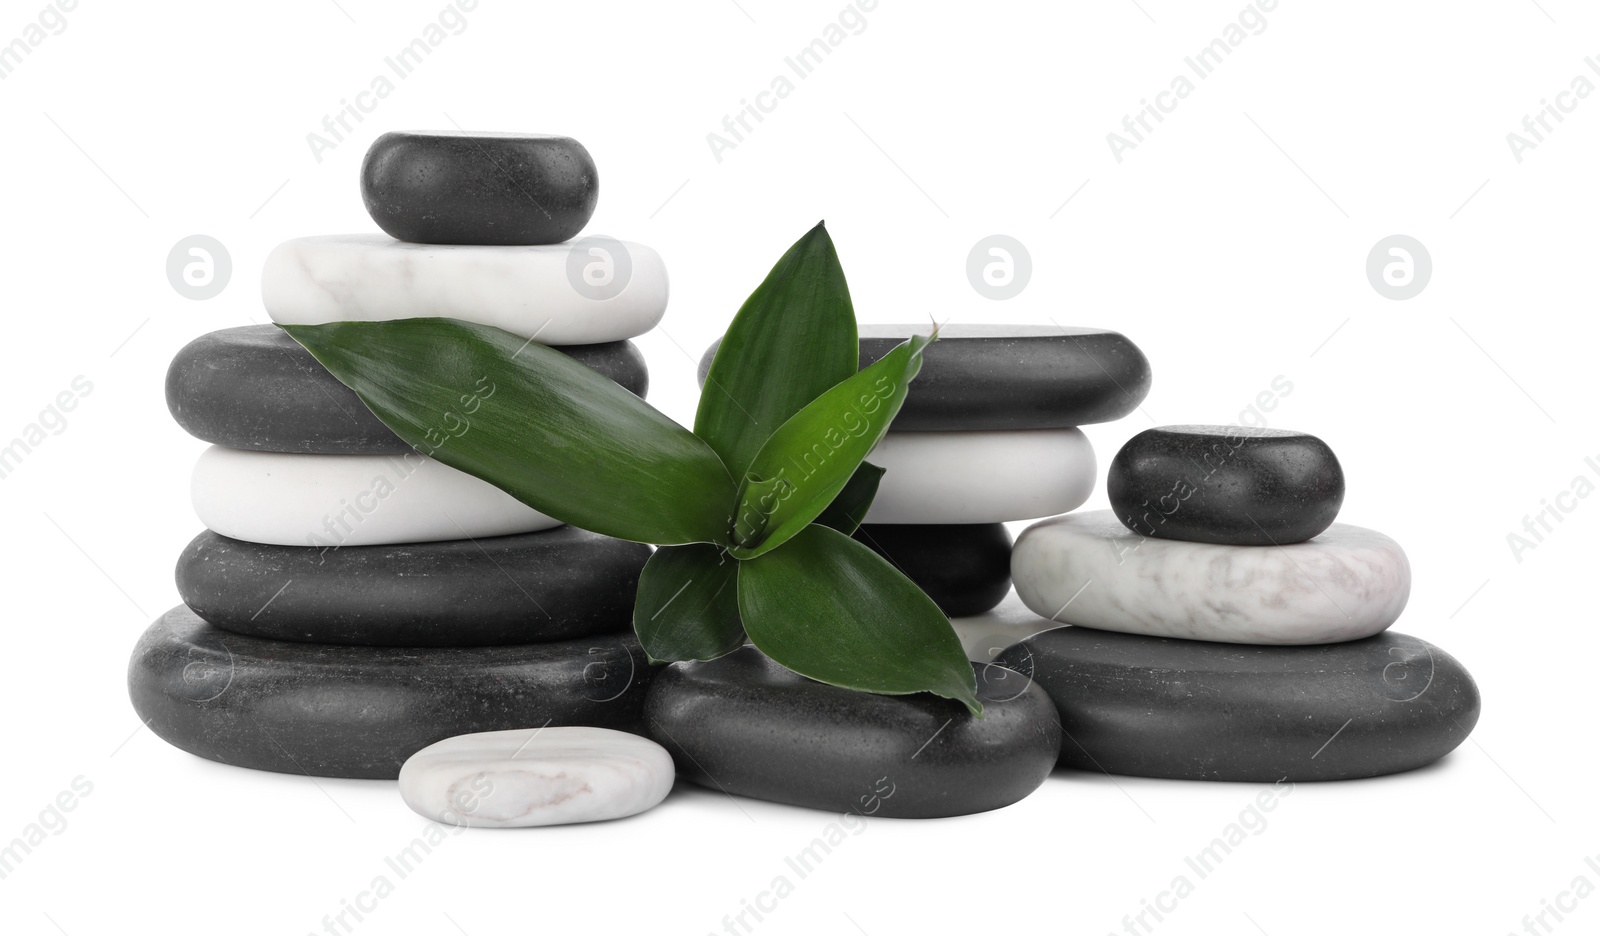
<point>536,777</point>
<point>349,500</point>
<point>981,476</point>
<point>1088,569</point>
<point>559,292</point>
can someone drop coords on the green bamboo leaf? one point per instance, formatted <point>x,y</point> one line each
<point>793,339</point>
<point>533,422</point>
<point>850,507</point>
<point>829,608</point>
<point>688,605</point>
<point>810,459</point>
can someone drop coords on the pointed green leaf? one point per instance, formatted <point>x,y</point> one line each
<point>792,339</point>
<point>829,608</point>
<point>850,507</point>
<point>809,460</point>
<point>533,422</point>
<point>688,604</point>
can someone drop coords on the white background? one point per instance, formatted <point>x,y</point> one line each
<point>1230,245</point>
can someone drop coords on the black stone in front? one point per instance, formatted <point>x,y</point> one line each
<point>1226,484</point>
<point>747,726</point>
<point>556,584</point>
<point>479,188</point>
<point>253,387</point>
<point>1197,710</point>
<point>359,712</point>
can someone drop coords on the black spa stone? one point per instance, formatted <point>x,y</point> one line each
<point>1010,376</point>
<point>747,726</point>
<point>479,188</point>
<point>1197,710</point>
<point>1226,484</point>
<point>254,387</point>
<point>964,567</point>
<point>557,584</point>
<point>359,712</point>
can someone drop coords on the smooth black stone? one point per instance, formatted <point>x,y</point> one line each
<point>254,387</point>
<point>479,188</point>
<point>1009,376</point>
<point>1226,484</point>
<point>361,711</point>
<point>557,584</point>
<point>1197,710</point>
<point>747,726</point>
<point>964,567</point>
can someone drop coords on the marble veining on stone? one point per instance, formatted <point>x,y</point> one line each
<point>525,290</point>
<point>536,777</point>
<point>1088,569</point>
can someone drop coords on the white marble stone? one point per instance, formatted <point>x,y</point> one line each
<point>350,500</point>
<point>536,777</point>
<point>984,635</point>
<point>1089,569</point>
<point>981,476</point>
<point>526,290</point>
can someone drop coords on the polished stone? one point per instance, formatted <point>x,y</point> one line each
<point>465,187</point>
<point>330,501</point>
<point>1226,484</point>
<point>558,584</point>
<point>1088,569</point>
<point>964,567</point>
<point>332,711</point>
<point>1194,710</point>
<point>526,777</point>
<point>538,291</point>
<point>254,387</point>
<point>747,726</point>
<point>981,477</point>
<point>1010,376</point>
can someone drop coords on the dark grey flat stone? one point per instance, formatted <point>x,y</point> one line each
<point>1226,484</point>
<point>964,567</point>
<point>479,188</point>
<point>1010,376</point>
<point>361,711</point>
<point>747,726</point>
<point>254,387</point>
<point>1196,710</point>
<point>558,584</point>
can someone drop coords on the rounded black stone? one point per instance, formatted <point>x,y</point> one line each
<point>747,726</point>
<point>964,567</point>
<point>1197,710</point>
<point>254,387</point>
<point>361,711</point>
<point>1009,376</point>
<point>479,188</point>
<point>1226,484</point>
<point>557,584</point>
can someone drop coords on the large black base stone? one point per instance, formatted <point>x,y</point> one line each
<point>1010,376</point>
<point>254,387</point>
<point>361,711</point>
<point>558,584</point>
<point>747,726</point>
<point>964,567</point>
<point>1226,484</point>
<point>479,188</point>
<point>1196,710</point>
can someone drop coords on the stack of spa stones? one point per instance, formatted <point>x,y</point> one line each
<point>353,600</point>
<point>988,434</point>
<point>1226,628</point>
